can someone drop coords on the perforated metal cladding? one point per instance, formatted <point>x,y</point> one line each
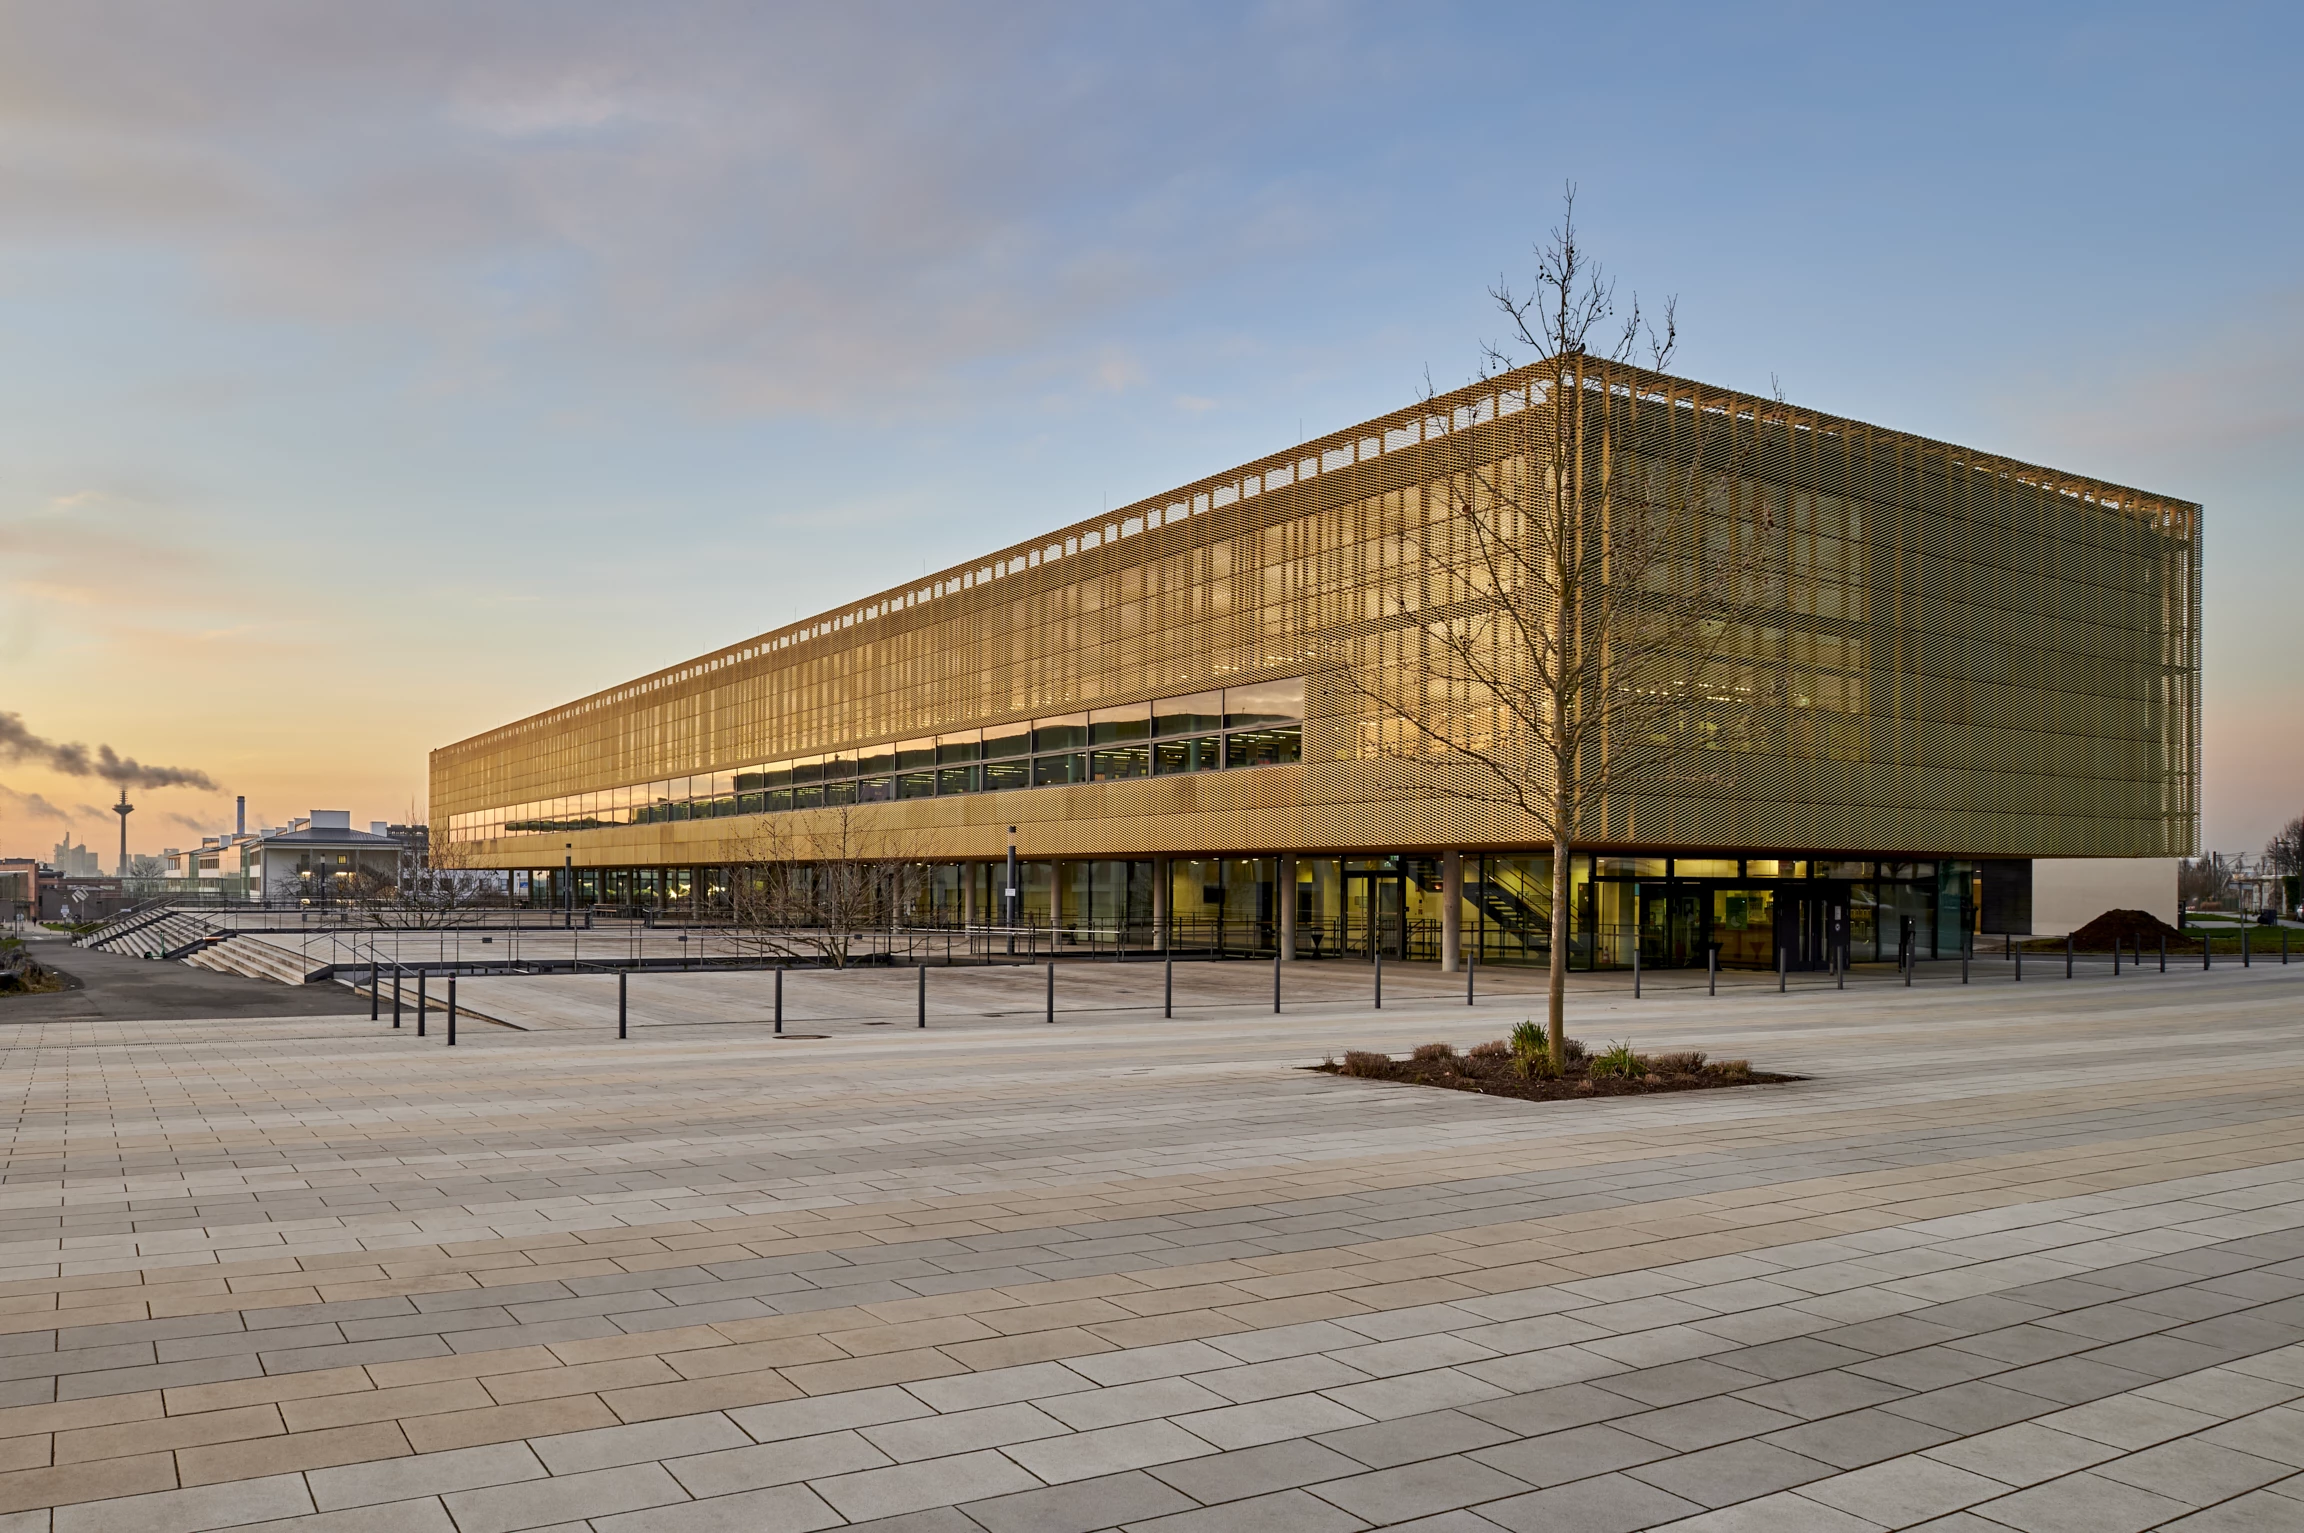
<point>1957,654</point>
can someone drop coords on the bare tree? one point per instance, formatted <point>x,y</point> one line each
<point>2203,880</point>
<point>444,893</point>
<point>2284,853</point>
<point>814,884</point>
<point>1577,584</point>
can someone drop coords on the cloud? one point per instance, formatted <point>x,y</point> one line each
<point>772,209</point>
<point>18,743</point>
<point>30,806</point>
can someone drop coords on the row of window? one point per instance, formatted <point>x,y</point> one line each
<point>1207,731</point>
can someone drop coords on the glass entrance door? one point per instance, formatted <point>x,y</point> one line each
<point>1375,914</point>
<point>1673,931</point>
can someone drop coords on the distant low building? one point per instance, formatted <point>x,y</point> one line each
<point>319,857</point>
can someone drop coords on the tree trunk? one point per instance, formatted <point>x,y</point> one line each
<point>1556,994</point>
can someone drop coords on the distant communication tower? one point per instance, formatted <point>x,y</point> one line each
<point>123,809</point>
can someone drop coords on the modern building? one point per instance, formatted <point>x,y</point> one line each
<point>74,861</point>
<point>1186,715</point>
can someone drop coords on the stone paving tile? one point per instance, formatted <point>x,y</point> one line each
<point>704,1265</point>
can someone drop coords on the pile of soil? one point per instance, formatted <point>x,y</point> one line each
<point>1491,1070</point>
<point>2132,929</point>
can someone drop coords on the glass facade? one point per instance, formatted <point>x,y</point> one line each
<point>1260,725</point>
<point>1674,911</point>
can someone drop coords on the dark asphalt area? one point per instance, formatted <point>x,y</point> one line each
<point>117,989</point>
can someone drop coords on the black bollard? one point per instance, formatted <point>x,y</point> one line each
<point>376,989</point>
<point>1635,967</point>
<point>1275,984</point>
<point>779,998</point>
<point>1472,967</point>
<point>2067,955</point>
<point>2163,952</point>
<point>1051,993</point>
<point>623,996</point>
<point>451,1011</point>
<point>1168,987</point>
<point>922,1009</point>
<point>1379,980</point>
<point>422,1006</point>
<point>1711,971</point>
<point>1781,969</point>
<point>2244,954</point>
<point>395,995</point>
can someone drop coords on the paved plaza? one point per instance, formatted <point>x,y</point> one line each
<point>2013,1256</point>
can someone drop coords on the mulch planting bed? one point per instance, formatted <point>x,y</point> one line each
<point>1493,1069</point>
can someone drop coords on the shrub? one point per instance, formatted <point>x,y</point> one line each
<point>1528,1038</point>
<point>1619,1060</point>
<point>1361,1062</point>
<point>1690,1062</point>
<point>1733,1069</point>
<point>1494,1048</point>
<point>1434,1053</point>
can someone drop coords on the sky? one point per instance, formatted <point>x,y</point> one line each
<point>371,376</point>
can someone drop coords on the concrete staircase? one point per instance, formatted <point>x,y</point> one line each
<point>283,961</point>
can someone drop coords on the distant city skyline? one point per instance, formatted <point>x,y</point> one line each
<point>376,377</point>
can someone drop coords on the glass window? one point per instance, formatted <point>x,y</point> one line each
<point>1066,732</point>
<point>750,803</point>
<point>780,799</point>
<point>911,755</point>
<point>876,761</point>
<point>916,785</point>
<point>1267,702</point>
<point>1200,755</point>
<point>1188,715</point>
<point>808,769</point>
<point>838,767</point>
<point>811,797</point>
<point>1843,870</point>
<point>1704,867</point>
<point>843,792</point>
<point>1264,747</point>
<point>1107,726</point>
<point>968,745</point>
<point>1048,771</point>
<point>957,779</point>
<point>1629,867</point>
<point>1126,761</point>
<point>1775,867</point>
<point>876,790</point>
<point>999,775</point>
<point>1008,740</point>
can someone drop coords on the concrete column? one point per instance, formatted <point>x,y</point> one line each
<point>1285,892</point>
<point>968,872</point>
<point>1162,878</point>
<point>1451,912</point>
<point>1056,911</point>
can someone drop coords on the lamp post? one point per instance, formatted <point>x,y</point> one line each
<point>568,885</point>
<point>1010,913</point>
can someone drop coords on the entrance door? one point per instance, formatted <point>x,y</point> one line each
<point>1375,913</point>
<point>1672,928</point>
<point>1811,921</point>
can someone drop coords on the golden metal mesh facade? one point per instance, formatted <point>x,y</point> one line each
<point>1961,655</point>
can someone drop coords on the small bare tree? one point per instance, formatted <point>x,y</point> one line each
<point>812,884</point>
<point>445,893</point>
<point>1575,586</point>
